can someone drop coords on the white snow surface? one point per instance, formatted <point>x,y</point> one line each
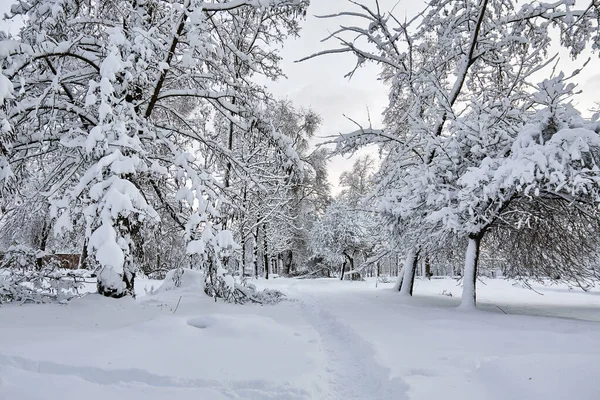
<point>334,340</point>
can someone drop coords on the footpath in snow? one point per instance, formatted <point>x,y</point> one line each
<point>352,370</point>
<point>441,352</point>
<point>337,340</point>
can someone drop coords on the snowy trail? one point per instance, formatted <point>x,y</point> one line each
<point>353,371</point>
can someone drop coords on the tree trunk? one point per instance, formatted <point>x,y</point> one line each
<point>42,242</point>
<point>265,251</point>
<point>351,261</point>
<point>410,268</point>
<point>399,280</point>
<point>469,295</point>
<point>129,279</point>
<point>243,240</point>
<point>428,273</point>
<point>84,255</point>
<point>355,276</point>
<point>230,147</point>
<point>266,263</point>
<point>343,271</point>
<point>287,262</point>
<point>280,267</point>
<point>243,263</point>
<point>255,254</point>
<point>258,236</point>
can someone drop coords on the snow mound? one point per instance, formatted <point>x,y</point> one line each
<point>182,279</point>
<point>248,325</point>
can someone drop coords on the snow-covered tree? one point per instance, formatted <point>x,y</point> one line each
<point>302,201</point>
<point>266,217</point>
<point>357,183</point>
<point>341,236</point>
<point>124,93</point>
<point>346,232</point>
<point>546,186</point>
<point>461,75</point>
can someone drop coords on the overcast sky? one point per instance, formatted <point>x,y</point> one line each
<point>320,84</point>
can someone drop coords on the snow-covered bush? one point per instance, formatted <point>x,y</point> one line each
<point>25,277</point>
<point>183,279</point>
<point>111,284</point>
<point>221,287</point>
<point>265,296</point>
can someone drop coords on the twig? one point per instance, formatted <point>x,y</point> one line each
<point>501,310</point>
<point>177,306</point>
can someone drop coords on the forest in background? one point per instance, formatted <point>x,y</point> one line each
<point>134,135</point>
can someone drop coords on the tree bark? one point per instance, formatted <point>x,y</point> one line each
<point>84,255</point>
<point>428,273</point>
<point>243,263</point>
<point>410,268</point>
<point>258,236</point>
<point>266,263</point>
<point>291,268</point>
<point>287,262</point>
<point>255,253</point>
<point>355,276</point>
<point>351,261</point>
<point>243,240</point>
<point>230,147</point>
<point>42,242</point>
<point>280,268</point>
<point>469,295</point>
<point>399,280</point>
<point>265,251</point>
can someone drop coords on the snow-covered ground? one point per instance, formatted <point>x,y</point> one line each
<point>335,340</point>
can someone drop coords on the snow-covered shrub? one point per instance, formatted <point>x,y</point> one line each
<point>249,293</point>
<point>26,277</point>
<point>182,279</point>
<point>270,296</point>
<point>111,284</point>
<point>222,287</point>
